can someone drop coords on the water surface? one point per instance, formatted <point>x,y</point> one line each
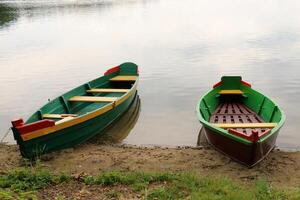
<point>182,48</point>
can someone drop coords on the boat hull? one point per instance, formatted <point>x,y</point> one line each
<point>73,135</point>
<point>245,154</point>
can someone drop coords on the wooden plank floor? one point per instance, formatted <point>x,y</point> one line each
<point>237,113</point>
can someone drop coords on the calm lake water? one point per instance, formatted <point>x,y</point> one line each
<point>182,48</point>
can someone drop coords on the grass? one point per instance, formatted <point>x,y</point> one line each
<point>139,180</point>
<point>10,195</point>
<point>26,179</point>
<point>25,183</point>
<point>113,194</point>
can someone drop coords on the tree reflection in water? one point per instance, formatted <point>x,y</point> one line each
<point>7,15</point>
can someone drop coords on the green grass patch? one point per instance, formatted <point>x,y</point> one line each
<point>6,194</point>
<point>113,194</point>
<point>138,180</point>
<point>23,179</point>
<point>24,183</point>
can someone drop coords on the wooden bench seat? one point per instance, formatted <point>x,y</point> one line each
<point>246,125</point>
<point>58,116</point>
<point>124,78</point>
<point>231,92</point>
<point>64,120</point>
<point>92,99</point>
<point>106,90</point>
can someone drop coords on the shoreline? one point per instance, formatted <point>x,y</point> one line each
<point>280,168</point>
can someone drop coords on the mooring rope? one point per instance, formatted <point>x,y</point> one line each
<point>5,135</point>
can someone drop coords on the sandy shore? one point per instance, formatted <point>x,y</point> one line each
<point>279,168</point>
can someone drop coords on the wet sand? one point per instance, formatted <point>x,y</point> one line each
<point>280,168</point>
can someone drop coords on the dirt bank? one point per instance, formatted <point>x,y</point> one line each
<point>279,168</point>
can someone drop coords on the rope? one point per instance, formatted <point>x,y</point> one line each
<point>5,135</point>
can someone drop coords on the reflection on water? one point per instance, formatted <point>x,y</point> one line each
<point>120,129</point>
<point>182,48</point>
<point>37,9</point>
<point>202,141</point>
<point>7,15</point>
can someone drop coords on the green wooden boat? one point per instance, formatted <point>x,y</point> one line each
<point>239,121</point>
<point>79,114</point>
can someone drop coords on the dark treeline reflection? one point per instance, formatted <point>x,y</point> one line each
<point>35,9</point>
<point>7,15</point>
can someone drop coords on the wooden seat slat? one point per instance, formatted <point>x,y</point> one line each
<point>64,120</point>
<point>100,90</point>
<point>124,78</point>
<point>58,116</point>
<point>92,99</point>
<point>231,92</point>
<point>246,125</point>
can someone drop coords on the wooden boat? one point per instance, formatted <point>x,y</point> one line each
<point>239,121</point>
<point>79,114</point>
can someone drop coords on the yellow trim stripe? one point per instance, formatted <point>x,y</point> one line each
<point>79,119</point>
<point>67,124</point>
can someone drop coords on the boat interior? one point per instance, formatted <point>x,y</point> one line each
<point>232,105</point>
<point>238,118</point>
<point>85,98</point>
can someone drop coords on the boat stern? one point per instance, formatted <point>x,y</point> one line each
<point>21,129</point>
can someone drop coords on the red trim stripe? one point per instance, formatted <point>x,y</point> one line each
<point>254,137</point>
<point>217,84</point>
<point>265,133</point>
<point>245,83</point>
<point>27,128</point>
<point>239,134</point>
<point>17,122</point>
<point>112,70</point>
